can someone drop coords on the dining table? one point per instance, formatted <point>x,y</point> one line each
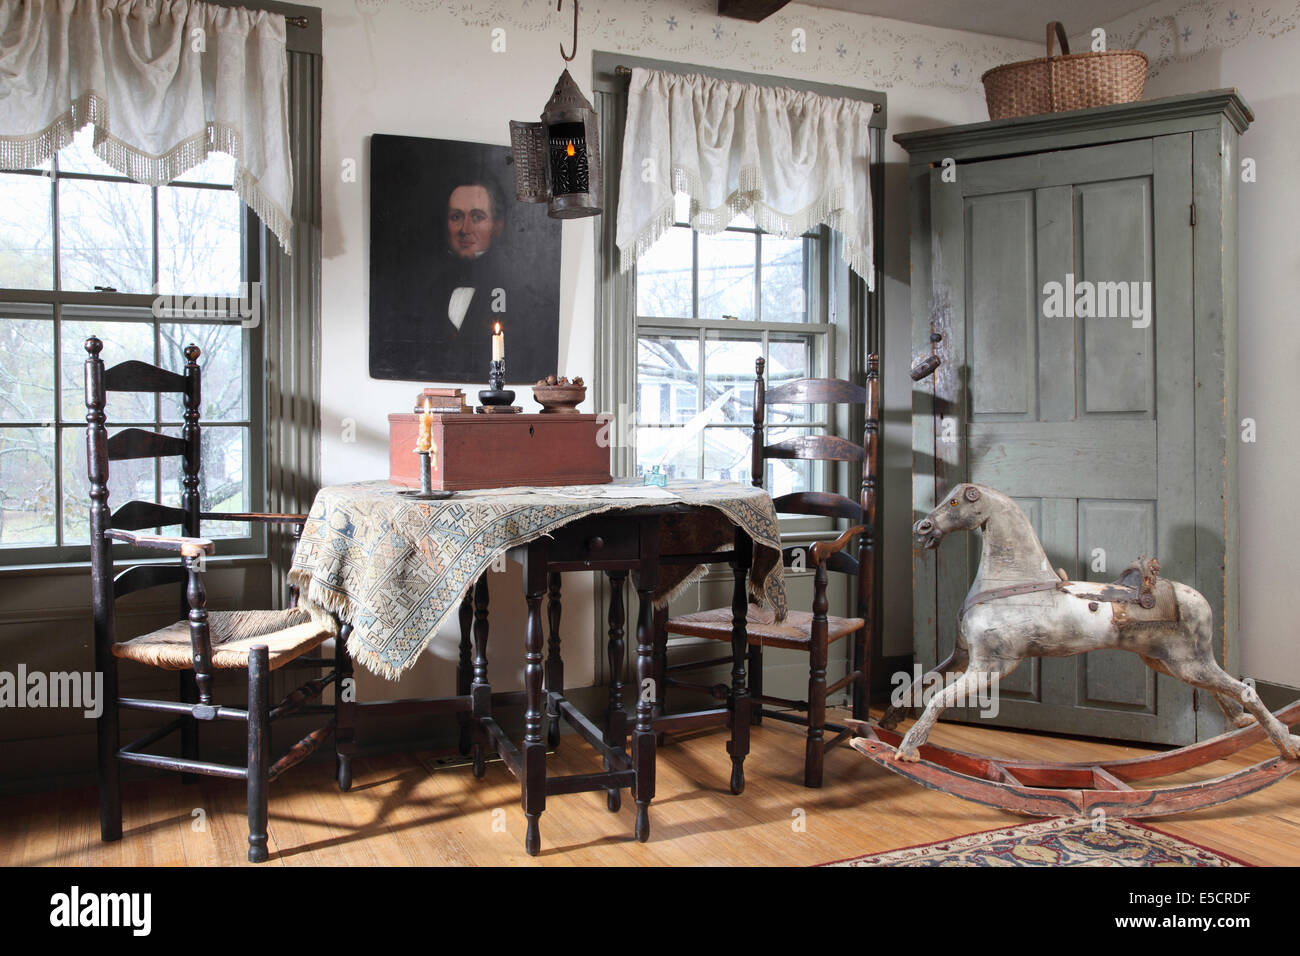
<point>393,568</point>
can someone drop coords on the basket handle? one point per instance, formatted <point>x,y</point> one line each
<point>1055,27</point>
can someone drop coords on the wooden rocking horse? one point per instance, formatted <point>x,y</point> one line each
<point>1019,608</point>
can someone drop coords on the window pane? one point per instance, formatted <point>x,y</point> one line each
<point>221,368</point>
<point>26,369</point>
<point>218,168</point>
<point>26,233</point>
<point>729,379</point>
<point>198,241</point>
<point>790,358</point>
<point>663,277</point>
<point>784,297</point>
<point>727,275</point>
<point>105,236</point>
<point>727,453</point>
<point>675,450</point>
<point>122,341</point>
<point>27,487</point>
<point>222,456</point>
<point>131,480</point>
<point>667,382</point>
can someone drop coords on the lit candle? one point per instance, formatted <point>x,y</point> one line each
<point>425,441</point>
<point>498,344</point>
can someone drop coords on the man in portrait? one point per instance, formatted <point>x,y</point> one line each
<point>451,255</point>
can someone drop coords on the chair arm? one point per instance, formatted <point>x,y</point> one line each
<point>822,550</point>
<point>188,547</point>
<point>252,516</point>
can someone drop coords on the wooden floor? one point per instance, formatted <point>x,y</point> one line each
<point>407,809</point>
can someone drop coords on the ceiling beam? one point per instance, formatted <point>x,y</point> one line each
<point>751,10</point>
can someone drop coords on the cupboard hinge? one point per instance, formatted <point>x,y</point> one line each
<point>1193,219</point>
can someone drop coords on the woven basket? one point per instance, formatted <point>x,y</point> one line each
<point>1070,81</point>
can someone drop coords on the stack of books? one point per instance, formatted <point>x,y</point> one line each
<point>442,401</point>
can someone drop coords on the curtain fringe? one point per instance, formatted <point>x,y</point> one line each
<point>34,150</point>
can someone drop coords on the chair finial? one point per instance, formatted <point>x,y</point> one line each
<point>192,353</point>
<point>759,366</point>
<point>94,346</point>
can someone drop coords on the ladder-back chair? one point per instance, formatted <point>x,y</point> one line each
<point>259,641</point>
<point>812,632</point>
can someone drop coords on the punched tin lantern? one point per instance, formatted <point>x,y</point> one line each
<point>557,161</point>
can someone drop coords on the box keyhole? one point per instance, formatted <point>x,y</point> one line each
<point>530,431</point>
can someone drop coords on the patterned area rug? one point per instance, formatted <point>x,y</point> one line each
<point>1065,841</point>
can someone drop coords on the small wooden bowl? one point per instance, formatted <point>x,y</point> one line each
<point>559,399</point>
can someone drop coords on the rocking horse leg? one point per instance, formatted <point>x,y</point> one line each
<point>953,664</point>
<point>1232,710</point>
<point>965,687</point>
<point>1208,675</point>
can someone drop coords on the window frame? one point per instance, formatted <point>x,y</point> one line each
<point>50,305</point>
<point>818,269</point>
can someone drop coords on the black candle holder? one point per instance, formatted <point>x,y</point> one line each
<point>495,395</point>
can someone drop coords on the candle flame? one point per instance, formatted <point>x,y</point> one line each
<point>426,404</point>
<point>497,329</point>
<point>570,150</point>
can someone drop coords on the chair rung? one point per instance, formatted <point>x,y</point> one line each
<point>183,765</point>
<point>717,691</point>
<point>178,707</point>
<point>700,665</point>
<point>300,751</point>
<point>156,735</point>
<point>843,682</point>
<point>298,698</point>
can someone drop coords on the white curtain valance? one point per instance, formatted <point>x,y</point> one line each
<point>163,82</point>
<point>786,158</point>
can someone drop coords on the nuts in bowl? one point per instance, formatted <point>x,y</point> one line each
<point>559,395</point>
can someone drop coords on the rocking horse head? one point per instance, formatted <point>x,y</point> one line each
<point>966,508</point>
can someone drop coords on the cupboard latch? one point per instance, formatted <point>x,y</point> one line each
<point>1193,217</point>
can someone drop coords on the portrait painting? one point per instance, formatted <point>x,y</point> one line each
<point>453,253</point>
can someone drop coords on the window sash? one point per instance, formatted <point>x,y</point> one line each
<point>59,307</point>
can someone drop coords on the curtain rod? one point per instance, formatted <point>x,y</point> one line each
<point>621,70</point>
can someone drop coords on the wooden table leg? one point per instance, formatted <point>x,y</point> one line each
<point>464,669</point>
<point>739,717</point>
<point>534,756</point>
<point>345,709</point>
<point>615,716</point>
<point>480,690</point>
<point>554,663</point>
<point>643,744</point>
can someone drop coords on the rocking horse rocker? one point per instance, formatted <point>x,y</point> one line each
<point>1018,608</point>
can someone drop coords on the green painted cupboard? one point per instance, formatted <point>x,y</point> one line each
<point>1081,270</point>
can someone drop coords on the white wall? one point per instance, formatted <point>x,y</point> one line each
<point>1254,47</point>
<point>421,68</point>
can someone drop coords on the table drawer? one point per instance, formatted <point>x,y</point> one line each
<point>597,541</point>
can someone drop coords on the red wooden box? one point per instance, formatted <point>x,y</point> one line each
<point>500,451</point>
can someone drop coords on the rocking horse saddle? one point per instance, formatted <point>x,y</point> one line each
<point>1139,595</point>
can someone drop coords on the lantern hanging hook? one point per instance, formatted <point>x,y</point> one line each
<point>568,57</point>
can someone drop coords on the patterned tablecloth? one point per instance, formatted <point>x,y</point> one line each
<point>395,568</point>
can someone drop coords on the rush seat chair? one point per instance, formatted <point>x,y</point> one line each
<point>204,642</point>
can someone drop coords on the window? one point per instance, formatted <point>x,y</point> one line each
<point>708,306</point>
<point>84,251</point>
